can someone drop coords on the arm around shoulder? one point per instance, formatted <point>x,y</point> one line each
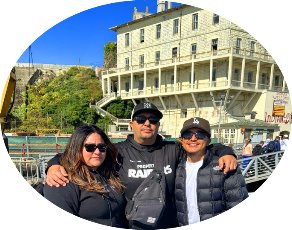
<point>54,161</point>
<point>222,150</point>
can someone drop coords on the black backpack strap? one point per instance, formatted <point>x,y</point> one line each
<point>159,161</point>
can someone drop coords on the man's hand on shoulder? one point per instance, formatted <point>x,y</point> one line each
<point>57,176</point>
<point>227,163</point>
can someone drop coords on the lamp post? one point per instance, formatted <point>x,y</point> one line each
<point>219,120</point>
<point>222,103</point>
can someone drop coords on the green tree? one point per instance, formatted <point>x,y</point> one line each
<point>104,123</point>
<point>61,102</point>
<point>110,55</point>
<point>120,108</point>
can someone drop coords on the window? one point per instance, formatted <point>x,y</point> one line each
<point>194,49</point>
<point>175,26</point>
<point>172,79</point>
<point>277,80</point>
<point>249,76</point>
<point>264,78</point>
<point>190,77</point>
<point>127,86</point>
<point>252,48</point>
<point>229,136</point>
<point>174,54</point>
<point>215,19</point>
<point>195,22</point>
<point>184,113</point>
<point>127,63</point>
<point>214,73</point>
<point>238,45</point>
<point>214,46</point>
<point>236,74</point>
<point>157,57</point>
<point>140,84</point>
<point>141,61</point>
<point>156,83</point>
<point>141,35</point>
<point>158,31</point>
<point>127,39</point>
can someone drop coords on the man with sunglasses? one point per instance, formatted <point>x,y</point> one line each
<point>138,154</point>
<point>201,189</point>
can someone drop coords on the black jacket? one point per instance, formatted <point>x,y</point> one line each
<point>216,192</point>
<point>137,161</point>
<point>106,209</point>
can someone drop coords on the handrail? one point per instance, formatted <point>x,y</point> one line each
<point>258,167</point>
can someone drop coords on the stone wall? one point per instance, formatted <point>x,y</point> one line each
<point>29,74</point>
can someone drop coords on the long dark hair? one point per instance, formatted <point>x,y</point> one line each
<point>78,172</point>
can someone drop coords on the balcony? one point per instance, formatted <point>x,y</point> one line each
<point>188,59</point>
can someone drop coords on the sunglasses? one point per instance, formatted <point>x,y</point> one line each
<point>92,147</point>
<point>143,119</point>
<point>198,134</point>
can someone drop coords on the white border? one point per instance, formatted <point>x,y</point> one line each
<point>21,22</point>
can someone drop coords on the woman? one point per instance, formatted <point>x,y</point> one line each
<point>94,192</point>
<point>246,152</point>
<point>202,190</point>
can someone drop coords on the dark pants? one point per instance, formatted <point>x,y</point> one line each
<point>245,161</point>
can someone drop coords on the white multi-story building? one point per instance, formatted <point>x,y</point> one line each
<point>191,62</point>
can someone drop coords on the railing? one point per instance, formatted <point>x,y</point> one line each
<point>106,99</point>
<point>30,150</point>
<point>190,57</point>
<point>113,118</point>
<point>260,167</point>
<point>32,169</point>
<point>254,169</point>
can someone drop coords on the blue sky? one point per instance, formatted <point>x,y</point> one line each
<point>80,38</point>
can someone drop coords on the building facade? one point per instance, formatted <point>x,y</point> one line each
<point>191,62</point>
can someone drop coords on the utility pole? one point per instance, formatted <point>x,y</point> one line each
<point>222,103</point>
<point>219,120</point>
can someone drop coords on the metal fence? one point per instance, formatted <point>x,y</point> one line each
<point>32,168</point>
<point>254,169</point>
<point>260,167</point>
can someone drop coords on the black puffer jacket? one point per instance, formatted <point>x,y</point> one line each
<point>216,192</point>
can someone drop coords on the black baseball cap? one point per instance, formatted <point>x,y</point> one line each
<point>146,107</point>
<point>196,122</point>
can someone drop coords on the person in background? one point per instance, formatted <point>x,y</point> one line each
<point>258,149</point>
<point>94,191</point>
<point>137,158</point>
<point>246,152</point>
<point>277,144</point>
<point>284,142</point>
<point>202,190</point>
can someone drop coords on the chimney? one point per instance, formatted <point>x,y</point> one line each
<point>160,6</point>
<point>168,5</point>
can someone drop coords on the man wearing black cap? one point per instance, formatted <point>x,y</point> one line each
<point>201,189</point>
<point>138,154</point>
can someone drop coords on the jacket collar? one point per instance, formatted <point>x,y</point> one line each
<point>207,158</point>
<point>148,148</point>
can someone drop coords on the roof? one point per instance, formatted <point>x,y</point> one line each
<point>115,28</point>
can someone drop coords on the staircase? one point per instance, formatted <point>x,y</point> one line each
<point>104,101</point>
